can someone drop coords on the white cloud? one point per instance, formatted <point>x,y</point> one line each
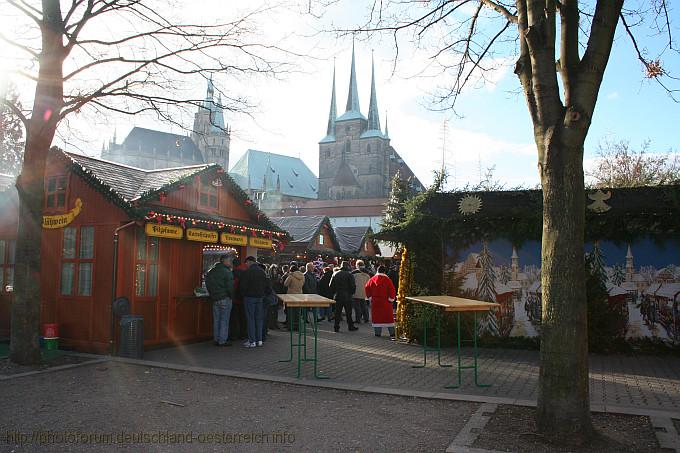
<point>613,95</point>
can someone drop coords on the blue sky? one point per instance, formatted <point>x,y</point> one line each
<point>291,111</point>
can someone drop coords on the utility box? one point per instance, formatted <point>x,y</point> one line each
<point>131,337</point>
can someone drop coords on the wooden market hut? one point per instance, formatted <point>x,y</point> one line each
<point>311,236</point>
<point>163,221</point>
<point>357,242</point>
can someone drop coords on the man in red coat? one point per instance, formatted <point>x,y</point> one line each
<point>380,291</point>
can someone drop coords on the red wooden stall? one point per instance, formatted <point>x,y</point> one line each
<point>166,220</point>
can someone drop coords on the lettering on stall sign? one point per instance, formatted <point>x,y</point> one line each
<point>197,234</point>
<point>61,220</point>
<point>261,243</point>
<point>163,231</point>
<point>233,239</point>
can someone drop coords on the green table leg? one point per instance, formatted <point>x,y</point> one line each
<point>290,328</point>
<point>301,326</point>
<point>427,349</point>
<point>316,358</point>
<point>475,354</point>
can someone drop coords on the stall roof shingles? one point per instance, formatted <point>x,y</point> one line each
<point>301,228</point>
<point>6,181</point>
<point>351,238</point>
<point>130,182</point>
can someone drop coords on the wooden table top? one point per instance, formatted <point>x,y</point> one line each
<point>305,300</point>
<point>451,303</point>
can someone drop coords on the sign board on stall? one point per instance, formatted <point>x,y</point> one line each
<point>61,220</point>
<point>163,231</point>
<point>233,239</point>
<point>261,243</point>
<point>197,234</point>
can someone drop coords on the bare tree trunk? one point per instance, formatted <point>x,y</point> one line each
<point>25,322</point>
<point>563,399</point>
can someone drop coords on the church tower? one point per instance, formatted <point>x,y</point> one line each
<point>630,268</point>
<point>210,133</point>
<point>354,156</point>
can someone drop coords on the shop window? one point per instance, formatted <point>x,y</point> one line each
<point>207,195</point>
<point>77,261</point>
<point>146,266</point>
<point>55,192</point>
<point>7,256</point>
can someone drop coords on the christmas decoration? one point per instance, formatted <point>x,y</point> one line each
<point>469,204</point>
<point>598,205</point>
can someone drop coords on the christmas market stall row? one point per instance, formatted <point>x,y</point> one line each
<point>487,245</point>
<point>153,234</point>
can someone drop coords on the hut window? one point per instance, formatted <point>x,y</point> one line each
<point>77,254</point>
<point>7,253</point>
<point>208,195</point>
<point>55,192</point>
<point>321,239</point>
<point>146,265</point>
<point>366,246</point>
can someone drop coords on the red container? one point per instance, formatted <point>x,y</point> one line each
<point>50,330</point>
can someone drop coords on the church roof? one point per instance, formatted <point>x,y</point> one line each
<point>352,111</point>
<point>150,142</point>
<point>332,114</point>
<point>344,177</point>
<point>373,117</point>
<point>295,178</point>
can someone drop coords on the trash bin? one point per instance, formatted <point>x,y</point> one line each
<point>131,337</point>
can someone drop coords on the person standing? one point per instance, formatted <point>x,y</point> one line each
<point>380,291</point>
<point>323,289</point>
<point>220,284</point>
<point>342,286</point>
<point>361,277</point>
<point>253,284</point>
<point>310,286</point>
<point>295,281</point>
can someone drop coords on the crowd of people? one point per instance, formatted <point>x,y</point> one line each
<point>245,303</point>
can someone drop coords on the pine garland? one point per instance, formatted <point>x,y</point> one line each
<point>405,287</point>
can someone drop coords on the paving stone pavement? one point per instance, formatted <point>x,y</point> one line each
<point>642,382</point>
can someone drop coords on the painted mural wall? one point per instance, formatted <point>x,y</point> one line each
<point>642,279</point>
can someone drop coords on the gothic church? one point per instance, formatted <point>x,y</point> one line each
<point>150,149</point>
<point>356,159</point>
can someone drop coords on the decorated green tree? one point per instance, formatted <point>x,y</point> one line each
<point>597,263</point>
<point>505,274</point>
<point>618,274</point>
<point>395,211</point>
<point>486,286</point>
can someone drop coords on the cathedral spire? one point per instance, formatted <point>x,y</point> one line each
<point>332,114</point>
<point>373,118</point>
<point>387,134</point>
<point>353,95</point>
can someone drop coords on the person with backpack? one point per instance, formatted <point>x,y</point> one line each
<point>220,284</point>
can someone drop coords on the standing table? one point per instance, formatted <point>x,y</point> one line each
<point>457,305</point>
<point>296,303</point>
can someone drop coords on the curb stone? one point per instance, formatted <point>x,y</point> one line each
<point>51,369</point>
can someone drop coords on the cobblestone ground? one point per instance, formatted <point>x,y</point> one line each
<point>112,407</point>
<point>361,358</point>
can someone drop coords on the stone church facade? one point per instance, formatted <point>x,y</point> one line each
<point>151,149</point>
<point>356,159</point>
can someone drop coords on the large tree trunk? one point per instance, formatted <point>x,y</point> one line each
<point>48,101</point>
<point>563,399</point>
